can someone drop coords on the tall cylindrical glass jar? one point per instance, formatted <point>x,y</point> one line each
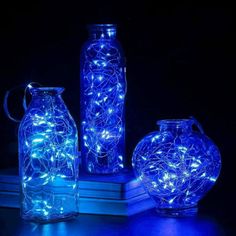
<point>103,89</point>
<point>48,158</point>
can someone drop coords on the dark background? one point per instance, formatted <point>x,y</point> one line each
<point>180,62</point>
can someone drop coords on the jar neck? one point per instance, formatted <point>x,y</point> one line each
<point>46,91</point>
<point>46,96</point>
<point>176,126</point>
<point>102,31</point>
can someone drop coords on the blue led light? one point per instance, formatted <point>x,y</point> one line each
<point>103,88</point>
<point>48,158</point>
<point>177,166</point>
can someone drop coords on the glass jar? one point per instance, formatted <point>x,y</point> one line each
<point>48,158</point>
<point>177,166</point>
<point>103,89</point>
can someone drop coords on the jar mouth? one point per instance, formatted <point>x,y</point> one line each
<point>101,26</point>
<point>102,31</point>
<point>175,122</point>
<point>46,90</point>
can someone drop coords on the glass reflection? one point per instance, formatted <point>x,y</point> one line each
<point>191,226</point>
<point>146,223</point>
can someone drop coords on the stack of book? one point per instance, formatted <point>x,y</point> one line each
<point>119,194</point>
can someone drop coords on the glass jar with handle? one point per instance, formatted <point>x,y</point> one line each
<point>48,158</point>
<point>177,166</point>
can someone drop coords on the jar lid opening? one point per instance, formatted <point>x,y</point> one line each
<point>102,30</point>
<point>175,122</point>
<point>46,90</point>
<point>102,26</point>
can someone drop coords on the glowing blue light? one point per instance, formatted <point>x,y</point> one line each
<point>155,138</point>
<point>171,200</point>
<point>103,89</point>
<point>194,165</point>
<point>154,184</point>
<point>144,158</point>
<point>48,158</point>
<point>110,110</point>
<point>179,165</point>
<point>29,86</point>
<point>166,176</point>
<point>37,140</point>
<point>43,176</point>
<point>34,155</point>
<point>212,179</point>
<point>203,175</point>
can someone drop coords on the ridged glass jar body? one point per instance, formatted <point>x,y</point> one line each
<point>48,158</point>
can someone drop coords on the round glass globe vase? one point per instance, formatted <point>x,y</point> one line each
<point>177,166</point>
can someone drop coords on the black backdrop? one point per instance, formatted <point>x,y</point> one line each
<point>180,62</point>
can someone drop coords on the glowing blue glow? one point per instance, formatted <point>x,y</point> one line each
<point>37,140</point>
<point>103,89</point>
<point>178,166</point>
<point>212,179</point>
<point>48,158</point>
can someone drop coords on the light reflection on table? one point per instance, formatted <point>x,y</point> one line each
<point>192,226</point>
<point>146,223</point>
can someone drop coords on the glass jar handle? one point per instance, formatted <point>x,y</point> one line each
<point>195,122</point>
<point>5,103</point>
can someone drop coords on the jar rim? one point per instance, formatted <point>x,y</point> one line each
<point>48,90</point>
<point>175,122</point>
<point>102,28</point>
<point>108,25</point>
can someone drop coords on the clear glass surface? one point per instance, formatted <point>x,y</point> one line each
<point>48,158</point>
<point>103,88</point>
<point>177,166</point>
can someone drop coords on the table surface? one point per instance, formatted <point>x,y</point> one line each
<point>146,223</point>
